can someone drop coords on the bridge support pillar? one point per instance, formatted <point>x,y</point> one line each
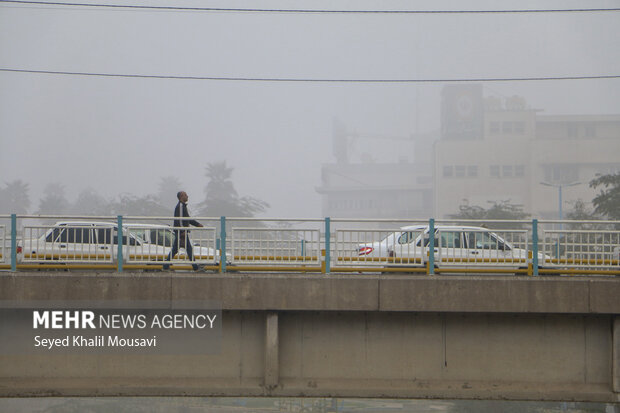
<point>272,366</point>
<point>615,367</point>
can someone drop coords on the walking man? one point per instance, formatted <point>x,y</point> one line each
<point>181,236</point>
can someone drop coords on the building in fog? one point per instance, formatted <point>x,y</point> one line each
<point>494,150</point>
<point>378,176</point>
<point>488,150</point>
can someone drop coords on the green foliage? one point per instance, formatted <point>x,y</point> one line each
<point>222,198</point>
<point>498,210</point>
<point>54,201</point>
<point>607,202</point>
<point>14,198</point>
<point>148,205</point>
<point>502,210</point>
<point>89,202</point>
<point>167,191</point>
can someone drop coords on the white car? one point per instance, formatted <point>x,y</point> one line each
<point>97,242</point>
<point>454,246</point>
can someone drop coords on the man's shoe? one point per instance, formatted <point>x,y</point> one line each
<point>195,267</point>
<point>166,267</point>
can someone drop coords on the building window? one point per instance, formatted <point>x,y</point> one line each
<point>519,170</point>
<point>507,127</point>
<point>494,128</point>
<point>590,131</point>
<point>460,171</point>
<point>561,173</point>
<point>573,130</point>
<point>507,171</point>
<point>494,171</point>
<point>520,128</point>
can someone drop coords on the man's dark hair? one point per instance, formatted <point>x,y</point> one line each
<point>179,195</point>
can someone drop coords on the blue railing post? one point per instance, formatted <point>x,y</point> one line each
<point>222,244</point>
<point>119,243</point>
<point>327,245</point>
<point>431,246</point>
<point>535,247</point>
<point>13,242</point>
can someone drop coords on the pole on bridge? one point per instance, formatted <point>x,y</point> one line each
<point>431,246</point>
<point>13,242</point>
<point>119,242</point>
<point>222,244</point>
<point>327,245</point>
<point>535,247</point>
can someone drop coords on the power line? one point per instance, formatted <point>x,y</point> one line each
<point>310,80</point>
<point>305,11</point>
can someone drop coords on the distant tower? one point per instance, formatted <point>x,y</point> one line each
<point>462,112</point>
<point>339,142</point>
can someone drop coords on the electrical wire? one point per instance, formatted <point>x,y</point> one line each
<point>311,80</point>
<point>306,11</point>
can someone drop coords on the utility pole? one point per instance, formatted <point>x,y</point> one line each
<point>560,186</point>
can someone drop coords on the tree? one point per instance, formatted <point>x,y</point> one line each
<point>53,201</point>
<point>502,210</point>
<point>498,210</point>
<point>167,192</point>
<point>596,241</point>
<point>607,202</point>
<point>14,198</point>
<point>222,198</point>
<point>581,212</point>
<point>138,206</point>
<point>90,202</point>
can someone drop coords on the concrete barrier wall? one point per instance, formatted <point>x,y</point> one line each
<point>414,337</point>
<point>288,292</point>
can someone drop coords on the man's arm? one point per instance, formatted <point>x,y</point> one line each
<point>191,222</point>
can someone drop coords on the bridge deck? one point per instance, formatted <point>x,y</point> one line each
<point>489,337</point>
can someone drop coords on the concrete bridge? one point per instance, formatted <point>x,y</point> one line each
<point>463,337</point>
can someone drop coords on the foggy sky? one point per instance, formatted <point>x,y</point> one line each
<point>120,135</point>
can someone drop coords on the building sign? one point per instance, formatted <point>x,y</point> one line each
<point>462,112</point>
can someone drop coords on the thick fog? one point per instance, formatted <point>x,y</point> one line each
<point>123,134</point>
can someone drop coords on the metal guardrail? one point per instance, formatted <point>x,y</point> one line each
<point>314,245</point>
<point>3,244</point>
<point>582,248</point>
<point>269,246</point>
<point>72,244</point>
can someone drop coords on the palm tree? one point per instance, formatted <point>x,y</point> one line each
<point>222,198</point>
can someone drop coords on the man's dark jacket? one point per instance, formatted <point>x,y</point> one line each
<point>181,211</point>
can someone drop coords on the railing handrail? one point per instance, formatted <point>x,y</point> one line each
<point>332,238</point>
<point>301,219</point>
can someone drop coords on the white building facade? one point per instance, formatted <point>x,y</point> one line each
<point>521,157</point>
